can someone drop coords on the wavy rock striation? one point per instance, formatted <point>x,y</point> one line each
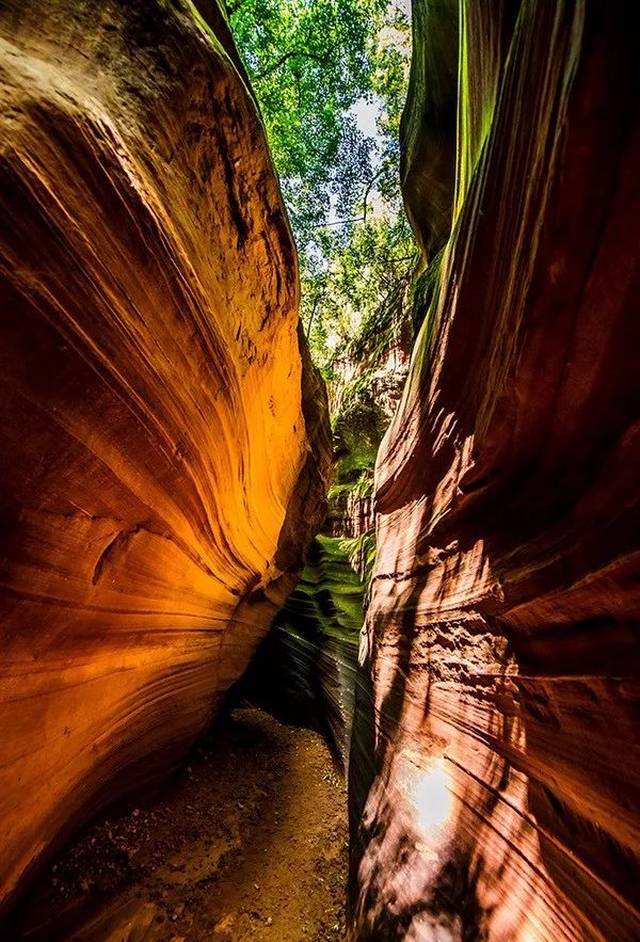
<point>163,437</point>
<point>503,801</point>
<point>306,668</point>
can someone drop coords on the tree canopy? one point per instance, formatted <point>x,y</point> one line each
<point>330,81</point>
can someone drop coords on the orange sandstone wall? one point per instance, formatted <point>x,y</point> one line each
<point>163,439</point>
<point>502,800</point>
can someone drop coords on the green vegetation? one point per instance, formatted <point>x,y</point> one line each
<point>306,669</point>
<point>330,79</point>
<point>322,70</point>
<point>361,553</point>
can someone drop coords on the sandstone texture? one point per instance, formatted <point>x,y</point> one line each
<point>163,436</point>
<point>501,797</point>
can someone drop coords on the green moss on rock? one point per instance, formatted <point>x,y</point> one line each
<point>305,670</point>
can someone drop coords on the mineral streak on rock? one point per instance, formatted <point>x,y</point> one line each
<point>164,440</point>
<point>502,797</point>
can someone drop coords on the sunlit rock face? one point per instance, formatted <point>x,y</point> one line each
<point>501,798</point>
<point>163,442</point>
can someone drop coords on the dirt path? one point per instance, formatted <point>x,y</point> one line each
<point>247,843</point>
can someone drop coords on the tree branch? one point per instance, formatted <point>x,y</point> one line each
<point>303,53</point>
<point>367,191</point>
<point>316,301</point>
<point>338,222</point>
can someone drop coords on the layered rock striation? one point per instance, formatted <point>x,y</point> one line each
<point>501,800</point>
<point>164,438</point>
<point>306,669</point>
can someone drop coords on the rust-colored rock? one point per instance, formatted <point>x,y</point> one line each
<point>504,803</point>
<point>163,446</point>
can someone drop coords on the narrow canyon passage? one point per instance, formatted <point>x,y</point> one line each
<point>319,392</point>
<point>248,842</point>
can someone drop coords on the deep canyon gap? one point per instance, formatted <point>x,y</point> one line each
<point>166,453</point>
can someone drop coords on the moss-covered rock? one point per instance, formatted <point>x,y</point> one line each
<point>305,669</point>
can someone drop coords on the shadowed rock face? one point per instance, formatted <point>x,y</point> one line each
<point>306,669</point>
<point>428,127</point>
<point>163,437</point>
<point>502,800</point>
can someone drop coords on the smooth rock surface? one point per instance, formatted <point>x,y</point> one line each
<point>503,797</point>
<point>163,443</point>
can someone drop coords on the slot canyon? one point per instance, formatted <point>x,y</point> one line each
<point>320,471</point>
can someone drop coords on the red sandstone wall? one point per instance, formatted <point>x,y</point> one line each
<point>504,801</point>
<point>162,444</point>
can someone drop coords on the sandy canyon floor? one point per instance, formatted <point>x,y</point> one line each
<point>247,842</point>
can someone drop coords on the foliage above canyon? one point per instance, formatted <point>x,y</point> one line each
<point>330,80</point>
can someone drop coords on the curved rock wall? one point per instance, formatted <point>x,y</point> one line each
<point>503,802</point>
<point>163,445</point>
<point>305,670</point>
<point>428,126</point>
